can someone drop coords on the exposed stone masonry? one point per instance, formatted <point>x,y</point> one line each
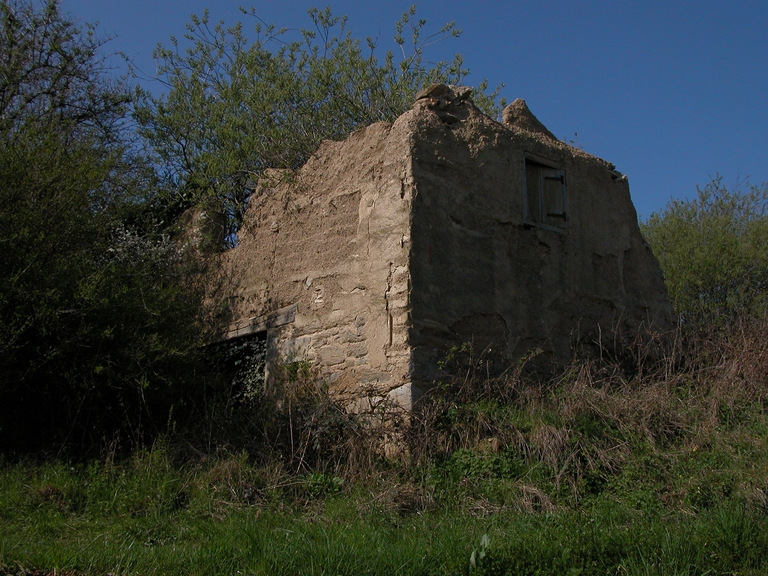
<point>441,228</point>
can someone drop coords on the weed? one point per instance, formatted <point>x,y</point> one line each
<point>627,463</point>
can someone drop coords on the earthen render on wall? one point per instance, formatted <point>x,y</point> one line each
<point>441,230</point>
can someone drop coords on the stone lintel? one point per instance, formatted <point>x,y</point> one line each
<point>261,323</point>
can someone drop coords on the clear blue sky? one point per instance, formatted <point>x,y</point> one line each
<point>671,92</point>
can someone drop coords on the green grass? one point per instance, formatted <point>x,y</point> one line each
<point>660,472</point>
<point>682,510</point>
<point>148,518</point>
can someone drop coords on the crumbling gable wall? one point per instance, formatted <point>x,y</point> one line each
<point>322,263</point>
<point>484,271</point>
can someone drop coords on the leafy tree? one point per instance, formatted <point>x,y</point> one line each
<point>92,305</point>
<point>49,70</point>
<point>236,107</point>
<point>713,250</point>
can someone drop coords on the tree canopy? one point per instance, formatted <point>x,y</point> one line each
<point>91,290</point>
<point>235,107</point>
<point>713,250</point>
<point>53,77</point>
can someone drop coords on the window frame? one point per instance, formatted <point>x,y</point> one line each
<point>529,217</point>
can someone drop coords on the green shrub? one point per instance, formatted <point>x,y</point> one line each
<point>713,251</point>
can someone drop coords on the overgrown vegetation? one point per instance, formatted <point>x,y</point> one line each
<point>594,472</point>
<point>97,316</point>
<point>714,251</point>
<point>126,449</point>
<point>235,106</point>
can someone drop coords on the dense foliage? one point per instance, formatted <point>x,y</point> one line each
<point>713,250</point>
<point>92,303</point>
<point>235,107</point>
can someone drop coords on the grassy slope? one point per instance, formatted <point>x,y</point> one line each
<point>597,472</point>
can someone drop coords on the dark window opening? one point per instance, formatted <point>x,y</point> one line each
<point>243,362</point>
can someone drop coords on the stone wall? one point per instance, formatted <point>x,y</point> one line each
<point>330,240</point>
<point>485,274</point>
<point>443,228</point>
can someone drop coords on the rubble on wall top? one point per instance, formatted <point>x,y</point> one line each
<point>445,95</point>
<point>454,104</point>
<point>441,98</point>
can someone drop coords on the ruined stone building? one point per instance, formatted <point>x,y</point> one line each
<point>443,228</point>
